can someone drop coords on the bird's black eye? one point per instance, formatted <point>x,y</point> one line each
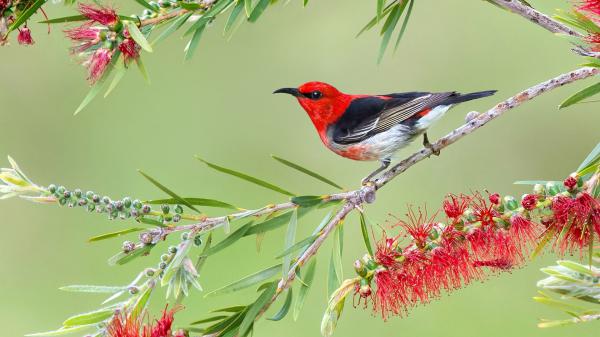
<point>316,94</point>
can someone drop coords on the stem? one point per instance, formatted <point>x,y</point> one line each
<point>536,17</point>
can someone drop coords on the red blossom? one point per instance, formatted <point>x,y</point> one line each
<point>24,36</point>
<point>418,226</point>
<point>483,212</point>
<point>594,40</point>
<point>386,253</point>
<point>524,232</point>
<point>502,264</point>
<point>454,205</point>
<point>573,221</point>
<point>570,182</point>
<point>529,201</point>
<point>128,325</point>
<point>129,49</point>
<point>84,37</point>
<point>98,63</point>
<point>591,6</point>
<point>100,14</point>
<point>494,198</point>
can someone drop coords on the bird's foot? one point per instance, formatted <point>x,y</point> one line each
<point>428,145</point>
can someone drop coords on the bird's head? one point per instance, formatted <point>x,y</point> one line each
<point>323,103</point>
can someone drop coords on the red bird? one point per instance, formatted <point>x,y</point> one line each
<point>373,127</point>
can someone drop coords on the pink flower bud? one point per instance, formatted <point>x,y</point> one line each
<point>24,36</point>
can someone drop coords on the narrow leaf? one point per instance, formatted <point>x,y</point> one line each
<point>26,14</point>
<point>142,68</point>
<point>177,24</point>
<point>207,320</point>
<point>60,332</point>
<point>285,308</point>
<point>365,234</point>
<point>65,19</point>
<point>258,10</point>
<point>142,302</point>
<point>192,201</point>
<point>122,257</point>
<point>119,74</point>
<point>145,4</point>
<point>247,281</point>
<point>306,171</point>
<point>88,318</point>
<point>256,308</point>
<point>229,240</point>
<point>581,95</point>
<point>305,287</point>
<point>168,191</point>
<point>290,237</point>
<point>115,234</point>
<point>192,45</point>
<point>235,13</point>
<point>404,23</point>
<point>137,36</point>
<point>591,158</point>
<point>248,178</point>
<point>92,289</point>
<point>182,252</point>
<point>298,246</point>
<point>270,224</point>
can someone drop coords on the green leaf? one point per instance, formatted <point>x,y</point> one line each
<point>192,201</point>
<point>365,234</point>
<point>182,251</point>
<point>168,191</point>
<point>122,257</point>
<point>247,281</point>
<point>256,308</point>
<point>137,36</point>
<point>576,267</point>
<point>150,221</point>
<point>92,289</point>
<point>380,6</point>
<point>247,7</point>
<point>561,305</point>
<point>145,4</point>
<point>404,23</point>
<point>190,6</point>
<point>235,308</point>
<point>581,95</point>
<point>298,246</point>
<point>177,24</point>
<point>285,308</point>
<point>207,320</point>
<point>115,234</point>
<point>60,332</point>
<point>592,159</point>
<point>235,13</point>
<point>388,28</point>
<point>335,264</point>
<point>89,318</point>
<point>119,74</point>
<point>374,20</point>
<point>65,19</point>
<point>229,240</point>
<point>305,2</point>
<point>258,10</point>
<point>246,177</point>
<point>307,200</point>
<point>26,14</point>
<point>533,182</point>
<point>335,307</point>
<point>305,287</point>
<point>306,171</point>
<point>96,87</point>
<point>142,69</point>
<point>192,45</point>
<point>142,301</point>
<point>290,237</point>
<point>270,224</point>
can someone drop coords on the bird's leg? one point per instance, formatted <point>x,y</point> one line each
<point>428,145</point>
<point>384,164</point>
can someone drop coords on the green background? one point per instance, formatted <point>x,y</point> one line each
<point>219,105</point>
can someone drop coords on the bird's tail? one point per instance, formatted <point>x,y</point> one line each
<point>459,98</point>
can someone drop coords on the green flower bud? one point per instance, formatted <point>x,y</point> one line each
<point>178,209</point>
<point>62,201</point>
<point>185,236</point>
<point>60,190</point>
<point>106,200</point>
<point>176,218</point>
<point>77,193</point>
<point>164,257</point>
<point>52,188</point>
<point>539,189</point>
<point>552,188</point>
<point>91,207</point>
<point>149,272</point>
<point>360,268</point>
<point>89,194</point>
<point>137,204</point>
<point>165,209</point>
<point>172,249</point>
<point>510,203</point>
<point>67,194</point>
<point>198,240</point>
<point>127,202</point>
<point>133,290</point>
<point>162,265</point>
<point>146,209</point>
<point>96,198</point>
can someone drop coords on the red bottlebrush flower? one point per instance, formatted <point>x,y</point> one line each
<point>389,298</point>
<point>418,226</point>
<point>529,201</point>
<point>574,217</point>
<point>162,326</point>
<point>570,182</point>
<point>595,219</point>
<point>129,49</point>
<point>591,6</point>
<point>454,206</point>
<point>102,15</point>
<point>524,232</point>
<point>502,264</point>
<point>594,40</point>
<point>98,63</point>
<point>24,36</point>
<point>494,198</point>
<point>84,37</point>
<point>483,212</point>
<point>386,253</point>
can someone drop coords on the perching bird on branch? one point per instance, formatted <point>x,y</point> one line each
<point>373,127</point>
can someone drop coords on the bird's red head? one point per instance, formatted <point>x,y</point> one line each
<point>323,103</point>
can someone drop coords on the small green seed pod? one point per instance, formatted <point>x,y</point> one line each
<point>198,240</point>
<point>510,203</point>
<point>172,249</point>
<point>164,257</point>
<point>552,188</point>
<point>127,202</point>
<point>52,188</point>
<point>165,209</point>
<point>77,193</point>
<point>137,204</point>
<point>178,209</point>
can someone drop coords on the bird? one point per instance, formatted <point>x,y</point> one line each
<point>374,127</point>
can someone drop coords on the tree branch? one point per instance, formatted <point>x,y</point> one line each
<point>536,17</point>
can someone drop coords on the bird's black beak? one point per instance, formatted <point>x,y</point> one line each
<point>292,91</point>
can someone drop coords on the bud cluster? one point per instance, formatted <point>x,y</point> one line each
<point>477,236</point>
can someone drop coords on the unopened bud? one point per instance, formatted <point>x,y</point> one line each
<point>128,246</point>
<point>510,203</point>
<point>146,238</point>
<point>360,268</point>
<point>552,188</point>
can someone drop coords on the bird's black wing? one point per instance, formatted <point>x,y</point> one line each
<point>368,116</point>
